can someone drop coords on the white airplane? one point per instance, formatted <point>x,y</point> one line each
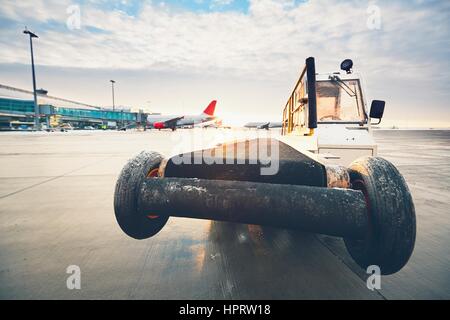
<point>173,122</point>
<point>263,125</point>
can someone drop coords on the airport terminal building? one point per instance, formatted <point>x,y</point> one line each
<point>17,113</point>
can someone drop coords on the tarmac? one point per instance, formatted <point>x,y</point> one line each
<point>56,210</point>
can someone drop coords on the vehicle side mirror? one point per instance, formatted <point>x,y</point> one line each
<point>377,110</point>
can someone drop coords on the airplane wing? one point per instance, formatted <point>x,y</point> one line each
<point>170,124</point>
<point>264,126</point>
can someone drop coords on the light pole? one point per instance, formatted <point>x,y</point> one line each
<point>112,86</point>
<point>37,125</point>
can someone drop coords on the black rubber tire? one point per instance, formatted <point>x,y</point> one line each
<point>133,222</point>
<point>390,240</point>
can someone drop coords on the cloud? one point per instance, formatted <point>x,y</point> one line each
<point>273,37</point>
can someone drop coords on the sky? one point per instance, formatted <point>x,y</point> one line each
<point>175,56</point>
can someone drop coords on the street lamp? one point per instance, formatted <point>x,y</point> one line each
<point>112,86</point>
<point>37,125</point>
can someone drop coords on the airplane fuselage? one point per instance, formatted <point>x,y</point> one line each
<point>185,121</point>
<point>158,121</point>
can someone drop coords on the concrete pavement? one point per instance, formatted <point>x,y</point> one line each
<point>56,210</point>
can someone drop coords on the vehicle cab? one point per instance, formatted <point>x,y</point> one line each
<point>341,130</point>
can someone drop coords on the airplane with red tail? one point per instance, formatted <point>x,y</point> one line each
<point>173,122</point>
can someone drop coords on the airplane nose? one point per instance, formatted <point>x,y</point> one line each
<point>158,125</point>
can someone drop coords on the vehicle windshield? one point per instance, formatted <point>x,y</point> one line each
<point>339,100</point>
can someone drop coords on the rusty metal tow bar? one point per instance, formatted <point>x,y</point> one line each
<point>339,212</point>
